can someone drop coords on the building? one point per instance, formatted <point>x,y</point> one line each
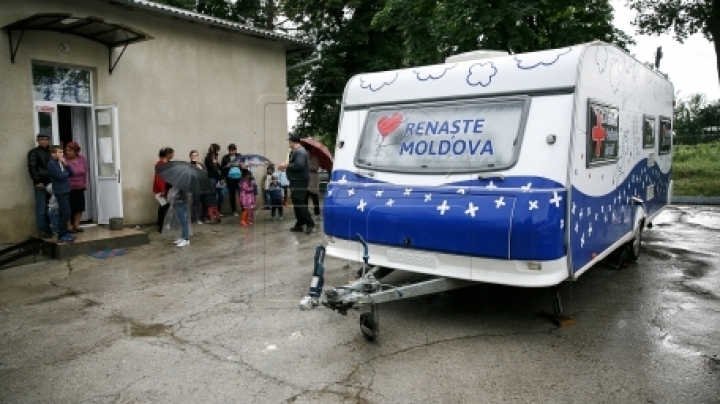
<point>125,78</point>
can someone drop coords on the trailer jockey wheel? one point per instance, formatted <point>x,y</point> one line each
<point>369,324</point>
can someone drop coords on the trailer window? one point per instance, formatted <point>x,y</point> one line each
<point>603,133</point>
<point>443,137</point>
<point>665,135</point>
<point>648,132</point>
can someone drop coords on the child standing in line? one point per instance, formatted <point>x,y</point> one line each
<point>60,173</point>
<point>247,198</point>
<point>284,183</point>
<point>275,193</point>
<point>53,210</point>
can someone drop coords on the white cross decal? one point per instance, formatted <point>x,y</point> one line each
<point>556,199</point>
<point>606,219</point>
<point>342,180</point>
<point>589,211</point>
<point>602,208</point>
<point>562,223</point>
<point>389,202</point>
<point>573,209</point>
<point>407,191</point>
<point>590,230</point>
<point>581,213</point>
<point>526,188</point>
<point>533,205</point>
<point>428,197</point>
<point>471,210</point>
<point>596,217</point>
<point>582,240</point>
<point>442,208</point>
<point>461,191</point>
<point>361,206</point>
<point>499,202</point>
<point>379,193</point>
<point>491,185</point>
<point>330,192</point>
<point>576,227</point>
<point>351,191</point>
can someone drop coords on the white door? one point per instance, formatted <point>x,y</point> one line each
<point>45,116</point>
<point>107,155</point>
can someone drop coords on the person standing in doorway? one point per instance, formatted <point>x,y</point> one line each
<point>37,161</point>
<point>313,185</point>
<point>298,172</point>
<point>78,185</point>
<point>60,173</point>
<point>160,187</point>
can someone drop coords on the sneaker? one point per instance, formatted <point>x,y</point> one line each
<point>280,218</point>
<point>310,230</point>
<point>297,229</point>
<point>178,241</point>
<point>199,222</point>
<point>235,214</point>
<point>183,243</point>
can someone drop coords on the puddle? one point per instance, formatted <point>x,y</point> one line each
<point>136,329</point>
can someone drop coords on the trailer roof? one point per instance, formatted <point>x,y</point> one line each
<point>549,71</point>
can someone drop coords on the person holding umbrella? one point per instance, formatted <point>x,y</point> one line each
<point>185,177</point>
<point>298,172</point>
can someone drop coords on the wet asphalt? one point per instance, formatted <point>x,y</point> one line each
<point>218,322</point>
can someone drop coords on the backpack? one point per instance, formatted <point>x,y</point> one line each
<point>234,173</point>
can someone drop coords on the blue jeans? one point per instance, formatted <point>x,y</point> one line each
<point>54,216</point>
<point>41,218</point>
<point>182,213</point>
<point>64,213</point>
<point>219,192</point>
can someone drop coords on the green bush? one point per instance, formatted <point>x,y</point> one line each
<point>696,169</point>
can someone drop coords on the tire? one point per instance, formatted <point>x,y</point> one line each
<point>634,246</point>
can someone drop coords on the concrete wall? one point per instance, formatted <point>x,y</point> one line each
<point>188,87</point>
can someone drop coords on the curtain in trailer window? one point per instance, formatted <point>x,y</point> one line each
<point>665,135</point>
<point>443,137</point>
<point>648,132</point>
<point>603,133</point>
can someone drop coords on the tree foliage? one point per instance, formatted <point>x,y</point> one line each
<point>682,17</point>
<point>696,120</point>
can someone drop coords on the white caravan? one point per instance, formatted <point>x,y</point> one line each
<point>521,170</point>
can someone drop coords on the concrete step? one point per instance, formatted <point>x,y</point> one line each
<point>98,238</point>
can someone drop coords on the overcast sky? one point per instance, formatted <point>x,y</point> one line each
<point>691,66</point>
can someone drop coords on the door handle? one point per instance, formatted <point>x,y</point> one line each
<point>118,176</point>
<point>491,175</point>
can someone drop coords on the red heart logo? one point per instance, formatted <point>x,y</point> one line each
<point>387,124</point>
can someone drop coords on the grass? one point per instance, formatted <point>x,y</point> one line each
<point>696,170</point>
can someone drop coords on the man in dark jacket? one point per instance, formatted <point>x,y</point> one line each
<point>298,173</point>
<point>37,160</point>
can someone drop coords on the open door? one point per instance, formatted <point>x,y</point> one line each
<point>107,155</point>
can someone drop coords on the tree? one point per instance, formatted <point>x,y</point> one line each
<point>696,120</point>
<point>350,45</point>
<point>433,30</point>
<point>683,17</point>
<point>365,36</point>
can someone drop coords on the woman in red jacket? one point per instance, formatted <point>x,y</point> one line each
<point>160,187</point>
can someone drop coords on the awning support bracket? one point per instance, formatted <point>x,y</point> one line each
<point>110,61</point>
<point>14,49</point>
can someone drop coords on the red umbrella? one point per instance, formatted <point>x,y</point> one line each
<point>321,151</point>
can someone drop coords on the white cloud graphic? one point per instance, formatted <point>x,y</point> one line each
<point>432,72</point>
<point>546,58</point>
<point>481,74</point>
<point>375,82</point>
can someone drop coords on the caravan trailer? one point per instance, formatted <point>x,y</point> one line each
<point>522,170</point>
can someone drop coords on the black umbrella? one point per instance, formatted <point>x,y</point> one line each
<point>185,176</point>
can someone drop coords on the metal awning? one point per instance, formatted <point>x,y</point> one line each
<point>93,28</point>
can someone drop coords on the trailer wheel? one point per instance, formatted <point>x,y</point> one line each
<point>635,244</point>
<point>369,326</point>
